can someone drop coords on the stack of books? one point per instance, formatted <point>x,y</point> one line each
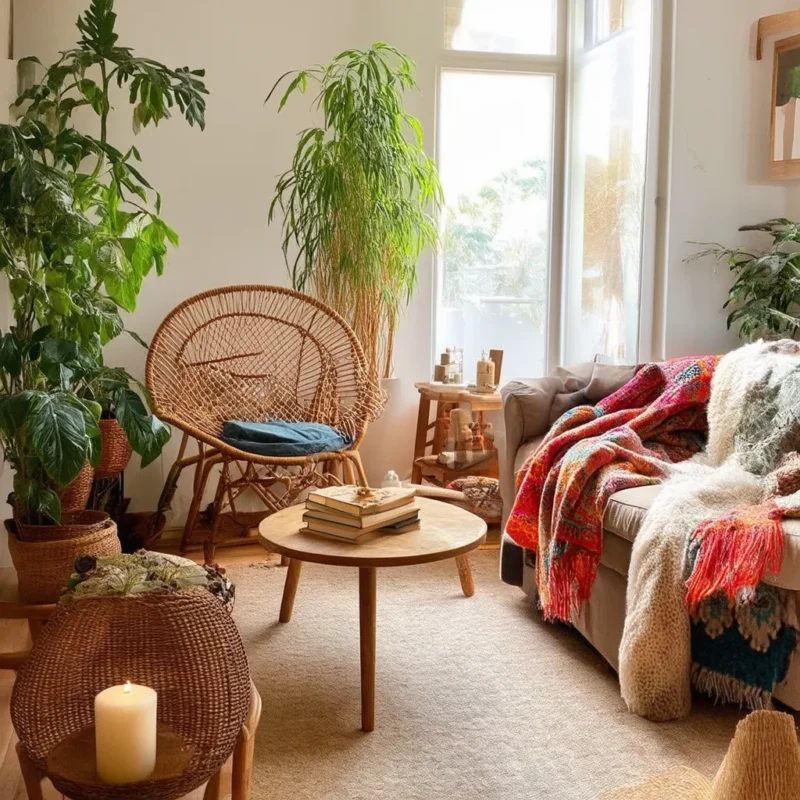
<point>354,514</point>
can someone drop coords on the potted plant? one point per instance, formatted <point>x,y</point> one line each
<point>359,197</point>
<point>765,297</point>
<point>80,229</point>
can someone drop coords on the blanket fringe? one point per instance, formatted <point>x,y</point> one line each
<point>736,550</point>
<point>569,584</point>
<point>728,689</point>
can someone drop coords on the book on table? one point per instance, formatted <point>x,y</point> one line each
<point>342,513</point>
<point>349,499</point>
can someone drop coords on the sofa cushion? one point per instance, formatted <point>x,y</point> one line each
<point>625,515</point>
<point>607,379</point>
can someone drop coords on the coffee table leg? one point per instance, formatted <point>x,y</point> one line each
<point>367,601</point>
<point>290,589</point>
<point>465,575</point>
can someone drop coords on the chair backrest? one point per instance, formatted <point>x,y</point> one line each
<point>256,353</point>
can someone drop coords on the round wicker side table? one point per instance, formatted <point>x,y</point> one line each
<point>156,621</point>
<point>71,769</point>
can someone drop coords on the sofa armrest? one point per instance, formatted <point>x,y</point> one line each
<point>526,412</point>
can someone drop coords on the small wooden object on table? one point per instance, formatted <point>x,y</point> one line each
<point>73,762</point>
<point>427,466</point>
<point>445,532</point>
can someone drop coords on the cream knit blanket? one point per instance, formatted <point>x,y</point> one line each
<point>655,653</point>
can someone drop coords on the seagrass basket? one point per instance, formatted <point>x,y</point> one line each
<point>183,644</point>
<point>44,567</point>
<point>116,451</point>
<point>75,496</point>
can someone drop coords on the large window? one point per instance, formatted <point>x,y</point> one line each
<point>544,223</point>
<point>607,161</point>
<point>500,100</point>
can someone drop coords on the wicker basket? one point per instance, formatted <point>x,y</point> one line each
<point>75,496</point>
<point>116,450</point>
<point>44,567</point>
<point>74,525</point>
<point>182,644</point>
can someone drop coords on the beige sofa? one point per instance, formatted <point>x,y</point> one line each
<point>530,407</point>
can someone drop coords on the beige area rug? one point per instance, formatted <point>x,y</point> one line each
<point>476,698</point>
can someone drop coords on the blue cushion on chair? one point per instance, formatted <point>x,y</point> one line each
<point>284,439</point>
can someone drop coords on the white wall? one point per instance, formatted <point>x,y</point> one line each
<point>217,184</point>
<point>719,161</point>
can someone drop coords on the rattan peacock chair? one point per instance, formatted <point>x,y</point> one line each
<point>257,353</point>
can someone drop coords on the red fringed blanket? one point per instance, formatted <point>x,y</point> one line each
<point>629,439</point>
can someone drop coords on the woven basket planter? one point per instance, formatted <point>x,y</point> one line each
<point>75,496</point>
<point>74,525</point>
<point>116,450</point>
<point>183,644</point>
<point>44,567</point>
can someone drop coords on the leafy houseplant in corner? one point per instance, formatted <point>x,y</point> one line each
<point>80,229</point>
<point>765,297</point>
<point>358,199</point>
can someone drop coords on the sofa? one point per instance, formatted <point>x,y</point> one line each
<point>530,407</point>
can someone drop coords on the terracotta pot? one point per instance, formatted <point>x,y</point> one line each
<point>116,449</point>
<point>43,568</point>
<point>76,496</point>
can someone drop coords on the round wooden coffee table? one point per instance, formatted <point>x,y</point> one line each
<point>445,532</point>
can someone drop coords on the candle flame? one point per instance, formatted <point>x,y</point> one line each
<point>127,688</point>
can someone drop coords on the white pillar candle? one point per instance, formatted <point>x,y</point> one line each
<point>125,733</point>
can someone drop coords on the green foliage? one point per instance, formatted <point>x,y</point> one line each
<point>357,197</point>
<point>480,263</point>
<point>765,297</point>
<point>80,229</point>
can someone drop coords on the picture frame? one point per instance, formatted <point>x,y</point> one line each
<point>784,159</point>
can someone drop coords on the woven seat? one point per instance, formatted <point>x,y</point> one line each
<point>256,353</point>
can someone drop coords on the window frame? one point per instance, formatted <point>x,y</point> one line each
<point>554,66</point>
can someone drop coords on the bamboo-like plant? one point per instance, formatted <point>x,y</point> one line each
<point>765,297</point>
<point>360,197</point>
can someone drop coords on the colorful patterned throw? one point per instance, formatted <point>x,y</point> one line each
<point>629,439</point>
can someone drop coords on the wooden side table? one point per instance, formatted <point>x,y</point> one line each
<point>427,466</point>
<point>11,607</point>
<point>445,532</point>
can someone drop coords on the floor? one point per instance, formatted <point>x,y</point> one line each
<point>476,698</point>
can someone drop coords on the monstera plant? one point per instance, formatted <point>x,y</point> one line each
<point>80,229</point>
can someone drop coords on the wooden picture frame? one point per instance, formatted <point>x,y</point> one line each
<point>784,138</point>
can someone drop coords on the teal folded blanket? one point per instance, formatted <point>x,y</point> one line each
<point>284,439</point>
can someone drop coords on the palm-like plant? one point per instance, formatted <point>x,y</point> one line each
<point>765,297</point>
<point>359,197</point>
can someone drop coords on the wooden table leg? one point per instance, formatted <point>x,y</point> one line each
<point>367,601</point>
<point>290,589</point>
<point>465,575</point>
<point>30,775</point>
<point>422,436</point>
<point>242,775</point>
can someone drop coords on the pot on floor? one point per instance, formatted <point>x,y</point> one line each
<point>44,555</point>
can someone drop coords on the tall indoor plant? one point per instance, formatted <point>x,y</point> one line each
<point>80,229</point>
<point>359,197</point>
<point>765,297</point>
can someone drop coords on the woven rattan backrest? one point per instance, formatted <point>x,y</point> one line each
<point>257,353</point>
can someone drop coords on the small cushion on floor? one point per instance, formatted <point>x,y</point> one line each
<point>280,439</point>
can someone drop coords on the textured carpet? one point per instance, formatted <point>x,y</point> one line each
<point>476,698</point>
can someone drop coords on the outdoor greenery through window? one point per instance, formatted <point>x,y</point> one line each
<point>496,132</point>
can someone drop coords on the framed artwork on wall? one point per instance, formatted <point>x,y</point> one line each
<point>785,123</point>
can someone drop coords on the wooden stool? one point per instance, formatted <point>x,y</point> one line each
<point>444,401</point>
<point>242,762</point>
